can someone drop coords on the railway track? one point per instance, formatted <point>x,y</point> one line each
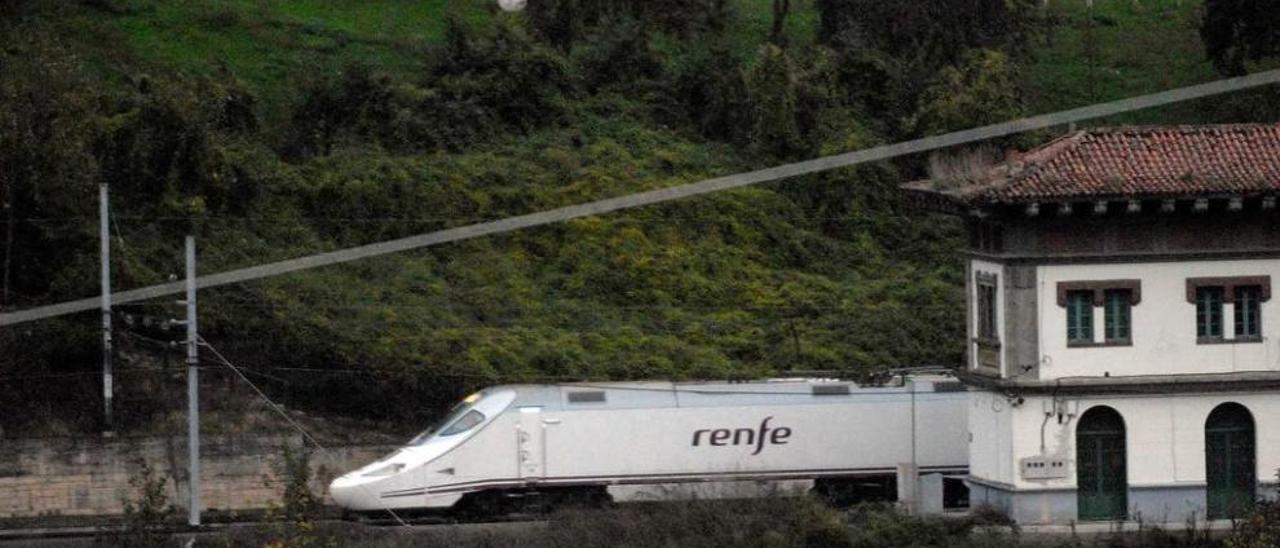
<point>88,535</point>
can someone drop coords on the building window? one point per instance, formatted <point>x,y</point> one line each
<point>1117,315</point>
<point>987,308</point>
<point>1209,312</point>
<point>1248,313</point>
<point>1080,317</point>
<point>986,332</point>
<point>986,237</point>
<point>1116,297</point>
<point>1245,292</point>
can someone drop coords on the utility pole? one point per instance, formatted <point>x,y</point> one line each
<point>193,388</point>
<point>104,237</point>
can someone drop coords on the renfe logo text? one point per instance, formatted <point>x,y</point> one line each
<point>744,436</point>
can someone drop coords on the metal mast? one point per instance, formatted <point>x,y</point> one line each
<point>193,388</point>
<point>104,237</point>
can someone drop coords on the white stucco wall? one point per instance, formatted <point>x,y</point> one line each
<point>991,434</point>
<point>1164,439</point>
<point>1163,324</point>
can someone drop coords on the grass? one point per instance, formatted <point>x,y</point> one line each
<point>1108,50</point>
<point>771,522</point>
<point>1115,49</point>
<point>274,47</point>
<point>277,46</point>
<point>755,19</point>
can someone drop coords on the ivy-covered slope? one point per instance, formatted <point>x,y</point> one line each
<point>275,130</point>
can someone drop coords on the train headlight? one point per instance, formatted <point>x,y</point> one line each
<point>385,470</point>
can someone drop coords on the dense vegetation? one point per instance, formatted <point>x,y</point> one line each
<point>278,130</point>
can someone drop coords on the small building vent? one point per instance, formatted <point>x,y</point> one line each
<point>593,396</point>
<point>949,386</point>
<point>830,389</point>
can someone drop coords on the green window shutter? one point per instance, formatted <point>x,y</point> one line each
<point>1117,315</point>
<point>1209,312</point>
<point>1248,313</point>
<point>1080,316</point>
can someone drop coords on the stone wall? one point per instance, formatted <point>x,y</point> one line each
<point>90,476</point>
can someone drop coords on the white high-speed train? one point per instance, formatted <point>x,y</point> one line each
<point>624,441</point>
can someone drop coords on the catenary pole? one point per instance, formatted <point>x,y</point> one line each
<point>104,237</point>
<point>193,387</point>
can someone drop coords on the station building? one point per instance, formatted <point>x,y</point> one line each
<point>1123,358</point>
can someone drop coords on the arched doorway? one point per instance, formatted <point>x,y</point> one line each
<point>1101,480</point>
<point>1229,454</point>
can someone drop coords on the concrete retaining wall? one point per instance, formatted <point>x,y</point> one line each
<point>83,477</point>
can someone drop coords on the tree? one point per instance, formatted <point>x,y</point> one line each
<point>771,85</point>
<point>780,10</point>
<point>890,52</point>
<point>46,164</point>
<point>708,82</point>
<point>563,23</point>
<point>558,22</point>
<point>1236,31</point>
<point>940,29</point>
<point>617,54</point>
<point>981,90</point>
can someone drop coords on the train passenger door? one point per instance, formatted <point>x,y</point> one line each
<point>531,449</point>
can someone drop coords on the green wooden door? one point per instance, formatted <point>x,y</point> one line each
<point>1229,461</point>
<point>1101,480</point>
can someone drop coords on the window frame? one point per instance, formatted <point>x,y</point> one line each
<point>986,237</point>
<point>986,318</point>
<point>987,296</point>
<point>1098,292</point>
<point>1229,287</point>
<point>1209,303</point>
<point>462,425</point>
<point>1117,314</point>
<point>1080,318</point>
<point>1248,312</point>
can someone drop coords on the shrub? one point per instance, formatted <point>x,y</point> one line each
<point>1261,528</point>
<point>294,518</point>
<point>148,517</point>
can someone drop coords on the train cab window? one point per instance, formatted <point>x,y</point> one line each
<point>467,422</point>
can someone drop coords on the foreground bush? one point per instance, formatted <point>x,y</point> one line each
<point>773,522</point>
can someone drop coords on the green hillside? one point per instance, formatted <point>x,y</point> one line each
<point>278,129</point>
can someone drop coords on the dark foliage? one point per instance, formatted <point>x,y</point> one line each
<point>565,23</point>
<point>936,29</point>
<point>890,52</point>
<point>1236,31</point>
<point>497,122</point>
<point>710,87</point>
<point>619,54</point>
<point>478,86</point>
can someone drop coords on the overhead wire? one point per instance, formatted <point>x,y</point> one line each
<point>662,195</point>
<point>280,411</point>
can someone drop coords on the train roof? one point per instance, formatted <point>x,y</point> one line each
<point>664,394</point>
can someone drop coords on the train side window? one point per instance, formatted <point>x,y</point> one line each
<point>831,390</point>
<point>467,422</point>
<point>593,396</point>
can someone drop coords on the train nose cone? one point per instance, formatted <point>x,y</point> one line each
<point>348,493</point>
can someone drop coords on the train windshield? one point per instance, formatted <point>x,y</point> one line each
<point>460,419</point>
<point>467,422</point>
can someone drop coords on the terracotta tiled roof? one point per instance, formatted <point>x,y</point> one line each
<point>1131,162</point>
